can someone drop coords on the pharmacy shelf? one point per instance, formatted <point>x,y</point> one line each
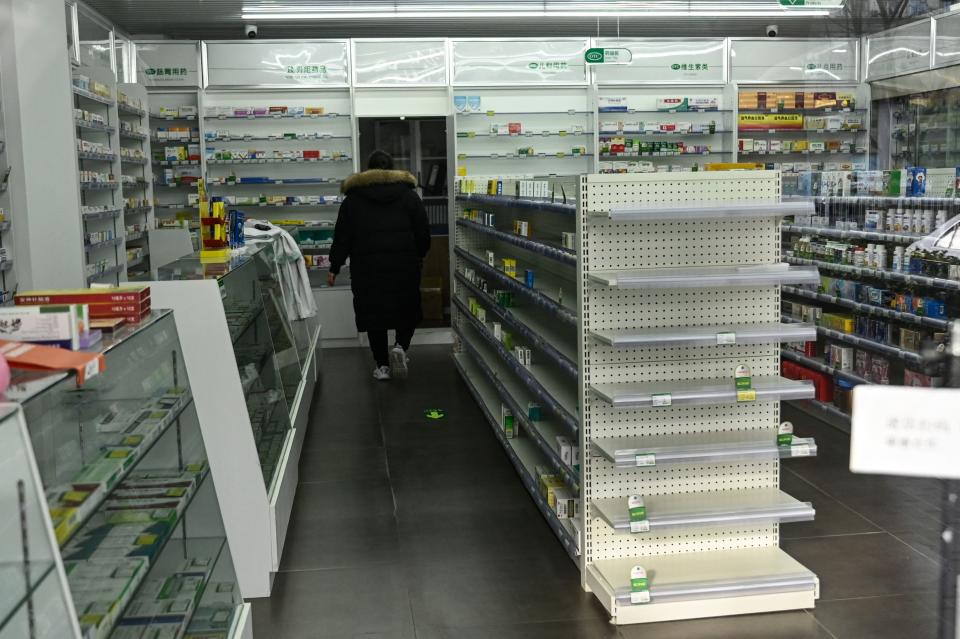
<point>827,412</point>
<point>141,210</point>
<point>288,206</point>
<point>491,113</point>
<point>275,181</point>
<point>279,161</point>
<point>268,138</point>
<point>113,270</point>
<point>664,112</point>
<point>715,508</point>
<point>277,116</point>
<point>135,237</point>
<point>821,367</point>
<point>708,277</point>
<point>133,135</point>
<point>106,243</point>
<point>128,109</point>
<point>518,203</point>
<point>654,154</point>
<point>880,274</point>
<point>180,142</point>
<point>176,162</point>
<point>869,309</point>
<point>94,126</point>
<point>703,576</point>
<point>807,152</point>
<point>607,135</point>
<point>469,135</point>
<point>131,160</point>
<point>173,118</point>
<point>176,207</point>
<point>845,234</point>
<point>98,186</point>
<point>707,335</point>
<point>748,133</point>
<point>93,97</point>
<point>517,396</point>
<point>552,390</point>
<point>862,342</point>
<point>719,447</point>
<point>96,157</point>
<point>558,253</point>
<point>100,215</point>
<point>709,211</point>
<point>802,111</point>
<point>135,263</point>
<point>875,200</point>
<point>524,156</point>
<point>544,293</point>
<point>177,185</point>
<point>701,392</point>
<point>521,453</point>
<point>544,336</point>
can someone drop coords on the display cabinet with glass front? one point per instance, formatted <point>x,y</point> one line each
<point>133,504</point>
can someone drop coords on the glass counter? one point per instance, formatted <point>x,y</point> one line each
<point>269,374</point>
<point>33,592</point>
<point>132,502</point>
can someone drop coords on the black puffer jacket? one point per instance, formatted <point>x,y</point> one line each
<point>383,229</point>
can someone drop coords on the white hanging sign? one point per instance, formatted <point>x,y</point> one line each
<point>772,60</point>
<point>901,50</point>
<point>168,64</point>
<point>665,62</point>
<point>899,430</point>
<point>277,63</point>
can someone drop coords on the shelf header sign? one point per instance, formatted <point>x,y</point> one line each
<point>168,64</point>
<point>664,62</point>
<point>520,62</point>
<point>600,55</point>
<point>781,60</point>
<point>900,50</point>
<point>282,64</point>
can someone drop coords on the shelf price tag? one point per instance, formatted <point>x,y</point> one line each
<point>491,113</point>
<point>726,338</point>
<point>639,586</point>
<point>638,515</point>
<point>644,460</point>
<point>747,396</point>
<point>742,378</point>
<point>661,399</point>
<point>785,434</point>
<point>800,450</point>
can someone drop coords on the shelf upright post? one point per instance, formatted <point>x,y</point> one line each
<point>950,523</point>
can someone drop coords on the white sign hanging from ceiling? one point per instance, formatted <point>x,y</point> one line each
<point>524,62</point>
<point>168,64</point>
<point>816,61</point>
<point>277,63</point>
<point>898,51</point>
<point>666,62</point>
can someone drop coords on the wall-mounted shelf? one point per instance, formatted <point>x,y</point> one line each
<point>707,277</point>
<point>868,309</point>
<point>709,211</point>
<point>879,273</point>
<point>845,234</point>
<point>701,392</point>
<point>707,335</point>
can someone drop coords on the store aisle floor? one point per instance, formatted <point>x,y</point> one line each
<point>409,528</point>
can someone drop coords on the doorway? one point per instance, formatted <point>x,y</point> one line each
<point>419,145</point>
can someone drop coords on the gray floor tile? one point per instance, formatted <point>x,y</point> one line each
<point>321,604</point>
<point>336,500</point>
<point>342,463</point>
<point>455,432</point>
<point>316,544</point>
<point>343,432</point>
<point>778,625</point>
<point>570,629</point>
<point>832,517</point>
<point>864,565</point>
<point>877,618</point>
<point>333,413</point>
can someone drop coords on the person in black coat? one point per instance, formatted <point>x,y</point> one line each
<point>383,229</point>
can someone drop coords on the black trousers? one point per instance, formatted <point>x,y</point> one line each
<point>378,343</point>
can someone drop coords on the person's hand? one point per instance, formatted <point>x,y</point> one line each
<point>331,279</point>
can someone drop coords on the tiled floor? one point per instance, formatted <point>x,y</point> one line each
<point>409,528</point>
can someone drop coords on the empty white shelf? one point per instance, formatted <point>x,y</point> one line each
<point>699,448</point>
<point>712,210</point>
<point>700,392</point>
<point>726,507</point>
<point>708,335</point>
<point>707,575</point>
<point>708,276</point>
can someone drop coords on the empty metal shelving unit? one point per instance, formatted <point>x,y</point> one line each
<point>679,286</point>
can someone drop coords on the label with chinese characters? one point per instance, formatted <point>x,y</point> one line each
<point>549,66</point>
<point>159,74</point>
<point>645,459</point>
<point>639,586</point>
<point>638,514</point>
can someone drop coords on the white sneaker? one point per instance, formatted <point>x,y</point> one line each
<point>399,362</point>
<point>382,374</point>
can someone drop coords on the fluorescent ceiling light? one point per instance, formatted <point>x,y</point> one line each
<point>266,14</point>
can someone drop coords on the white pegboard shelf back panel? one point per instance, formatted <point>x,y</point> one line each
<point>722,335</point>
<point>601,192</point>
<point>708,210</point>
<point>649,451</point>
<point>727,507</point>
<point>637,309</point>
<point>708,276</point>
<point>701,392</point>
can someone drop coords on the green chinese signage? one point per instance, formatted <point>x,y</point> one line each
<point>601,55</point>
<point>159,73</point>
<point>549,66</point>
<point>819,4</point>
<point>825,66</point>
<point>690,66</point>
<point>300,71</point>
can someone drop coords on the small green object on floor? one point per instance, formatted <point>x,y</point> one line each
<point>434,413</point>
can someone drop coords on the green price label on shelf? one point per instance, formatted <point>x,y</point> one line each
<point>434,413</point>
<point>600,55</point>
<point>822,4</point>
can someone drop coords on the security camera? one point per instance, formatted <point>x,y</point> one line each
<point>773,31</point>
<point>251,30</point>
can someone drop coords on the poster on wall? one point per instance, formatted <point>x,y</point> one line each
<point>667,62</point>
<point>815,61</point>
<point>526,62</point>
<point>168,64</point>
<point>277,63</point>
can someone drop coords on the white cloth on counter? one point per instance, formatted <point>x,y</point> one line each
<point>298,295</point>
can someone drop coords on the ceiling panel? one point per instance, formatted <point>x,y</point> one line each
<point>221,19</point>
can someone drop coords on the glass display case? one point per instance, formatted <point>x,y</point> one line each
<point>264,344</point>
<point>920,129</point>
<point>132,502</point>
<point>34,600</point>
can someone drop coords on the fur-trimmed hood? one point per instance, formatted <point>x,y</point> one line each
<point>375,177</point>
